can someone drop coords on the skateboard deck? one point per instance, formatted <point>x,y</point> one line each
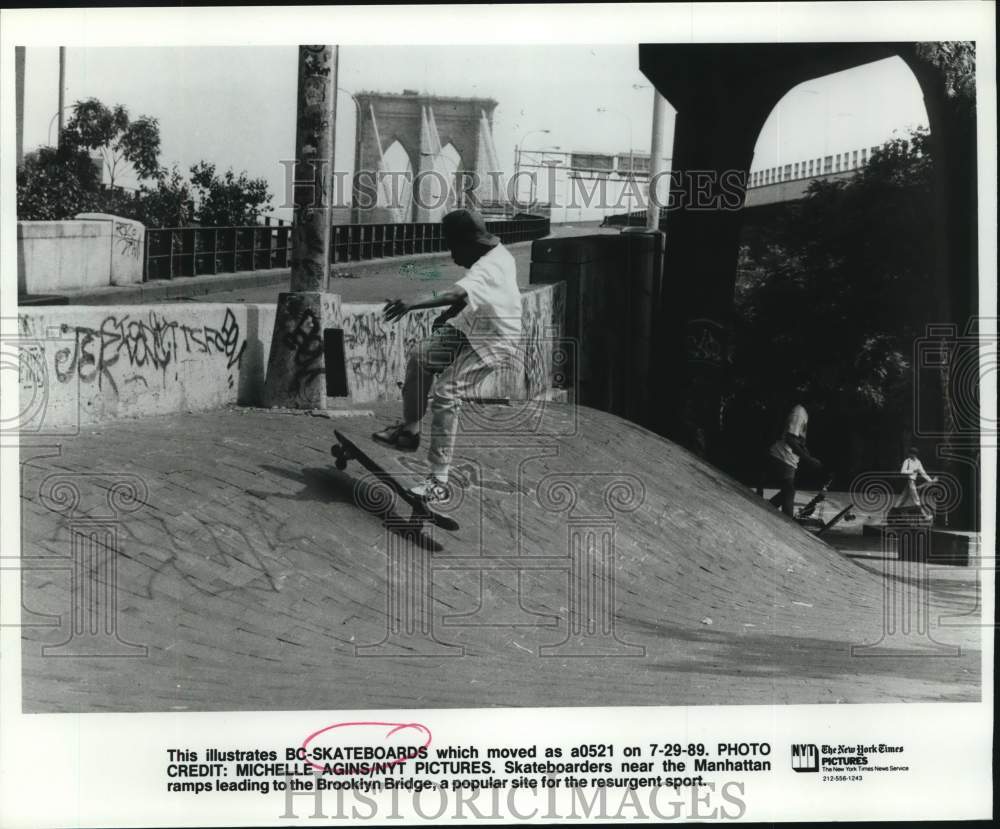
<point>844,513</point>
<point>346,450</point>
<point>810,508</point>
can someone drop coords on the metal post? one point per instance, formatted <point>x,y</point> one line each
<point>62,91</point>
<point>517,171</point>
<point>314,141</point>
<point>656,160</point>
<point>19,53</point>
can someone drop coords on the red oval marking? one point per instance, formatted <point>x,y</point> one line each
<point>393,728</point>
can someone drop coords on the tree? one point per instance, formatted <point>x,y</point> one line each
<point>831,305</point>
<point>116,136</point>
<point>957,62</point>
<point>228,200</point>
<point>168,203</point>
<point>57,184</point>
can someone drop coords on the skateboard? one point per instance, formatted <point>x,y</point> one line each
<point>810,508</point>
<point>346,450</point>
<point>844,514</point>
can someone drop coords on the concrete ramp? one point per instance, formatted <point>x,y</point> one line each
<point>596,564</point>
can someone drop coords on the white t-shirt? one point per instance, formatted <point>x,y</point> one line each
<point>491,319</point>
<point>796,425</point>
<point>913,467</point>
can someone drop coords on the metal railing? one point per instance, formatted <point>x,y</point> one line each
<point>193,251</point>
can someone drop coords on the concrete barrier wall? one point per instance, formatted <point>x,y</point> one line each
<point>612,286</point>
<point>93,251</point>
<point>128,240</point>
<point>63,256</point>
<point>91,364</point>
<point>83,365</point>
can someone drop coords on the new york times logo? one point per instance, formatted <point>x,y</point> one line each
<point>805,757</point>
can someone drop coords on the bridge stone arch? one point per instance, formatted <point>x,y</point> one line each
<point>388,117</point>
<point>723,94</point>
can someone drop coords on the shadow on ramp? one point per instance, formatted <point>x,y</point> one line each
<point>325,486</point>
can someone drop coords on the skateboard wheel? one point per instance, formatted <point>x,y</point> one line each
<point>341,463</point>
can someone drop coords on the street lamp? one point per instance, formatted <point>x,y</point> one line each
<point>631,153</point>
<point>52,120</point>
<point>543,162</point>
<point>517,156</point>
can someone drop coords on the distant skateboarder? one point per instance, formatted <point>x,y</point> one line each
<point>914,469</point>
<point>783,459</point>
<point>479,329</point>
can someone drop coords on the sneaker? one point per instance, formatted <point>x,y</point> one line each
<point>397,437</point>
<point>432,490</point>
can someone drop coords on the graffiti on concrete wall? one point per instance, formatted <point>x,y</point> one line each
<point>375,351</point>
<point>304,339</point>
<point>127,239</point>
<point>124,343</point>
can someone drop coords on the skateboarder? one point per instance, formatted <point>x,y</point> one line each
<point>783,459</point>
<point>479,329</point>
<point>913,469</point>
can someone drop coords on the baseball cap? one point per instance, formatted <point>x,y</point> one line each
<point>468,226</point>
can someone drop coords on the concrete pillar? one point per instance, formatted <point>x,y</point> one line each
<point>613,293</point>
<point>953,298</point>
<point>639,296</point>
<point>591,267</point>
<point>702,231</point>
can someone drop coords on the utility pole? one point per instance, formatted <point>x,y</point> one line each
<point>62,91</point>
<point>656,160</point>
<point>19,54</point>
<point>304,368</point>
<point>316,113</point>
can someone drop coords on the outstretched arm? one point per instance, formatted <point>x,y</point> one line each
<point>394,309</point>
<point>799,448</point>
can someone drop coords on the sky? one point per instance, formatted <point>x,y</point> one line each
<point>235,106</point>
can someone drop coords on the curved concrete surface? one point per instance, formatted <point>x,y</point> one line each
<point>255,581</point>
